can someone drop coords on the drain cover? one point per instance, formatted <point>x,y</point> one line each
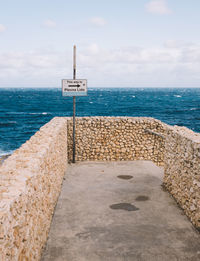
<point>125,177</point>
<point>142,198</point>
<point>124,206</point>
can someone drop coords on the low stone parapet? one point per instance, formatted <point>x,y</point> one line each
<point>182,170</point>
<point>30,182</point>
<point>117,138</point>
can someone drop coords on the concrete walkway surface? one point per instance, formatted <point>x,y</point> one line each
<point>118,211</point>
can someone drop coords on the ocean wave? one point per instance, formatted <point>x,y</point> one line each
<point>28,113</point>
<point>12,122</point>
<point>15,112</point>
<point>39,113</point>
<point>7,123</point>
<point>178,96</point>
<point>6,152</point>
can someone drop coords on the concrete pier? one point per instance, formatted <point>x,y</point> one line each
<point>118,211</point>
<point>102,216</point>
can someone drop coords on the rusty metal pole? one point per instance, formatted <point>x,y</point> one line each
<point>74,107</point>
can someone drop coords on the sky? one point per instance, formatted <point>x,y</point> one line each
<point>120,43</point>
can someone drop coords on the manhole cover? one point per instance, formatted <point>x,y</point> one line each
<point>125,177</point>
<point>124,206</point>
<point>142,198</point>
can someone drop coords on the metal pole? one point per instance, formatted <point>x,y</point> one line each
<point>74,105</point>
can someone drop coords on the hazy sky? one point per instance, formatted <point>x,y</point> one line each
<point>122,43</point>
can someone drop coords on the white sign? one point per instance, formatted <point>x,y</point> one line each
<point>74,87</point>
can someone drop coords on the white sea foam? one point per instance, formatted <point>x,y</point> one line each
<point>29,113</point>
<point>8,122</point>
<point>38,113</point>
<point>193,109</point>
<point>90,102</point>
<point>133,96</point>
<point>11,122</point>
<point>15,112</point>
<point>4,153</point>
<point>178,96</point>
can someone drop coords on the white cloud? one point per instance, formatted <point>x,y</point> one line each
<point>158,7</point>
<point>93,49</point>
<point>2,28</point>
<point>170,65</point>
<point>35,68</point>
<point>137,67</point>
<point>49,23</point>
<point>98,21</point>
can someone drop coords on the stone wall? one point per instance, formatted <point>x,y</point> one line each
<point>129,138</point>
<point>182,170</point>
<point>30,179</point>
<point>117,138</point>
<point>30,182</point>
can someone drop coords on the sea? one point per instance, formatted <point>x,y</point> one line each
<point>24,110</point>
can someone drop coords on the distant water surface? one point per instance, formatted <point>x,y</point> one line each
<point>23,111</point>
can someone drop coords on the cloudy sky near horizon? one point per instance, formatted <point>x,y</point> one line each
<point>129,43</point>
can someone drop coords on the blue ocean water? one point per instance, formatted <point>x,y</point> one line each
<point>23,111</point>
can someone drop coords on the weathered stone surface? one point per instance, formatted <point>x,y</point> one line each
<point>182,170</point>
<point>30,182</point>
<point>117,138</point>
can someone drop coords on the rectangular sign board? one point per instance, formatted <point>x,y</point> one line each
<point>74,87</point>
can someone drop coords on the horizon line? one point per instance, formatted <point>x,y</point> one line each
<point>113,87</point>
